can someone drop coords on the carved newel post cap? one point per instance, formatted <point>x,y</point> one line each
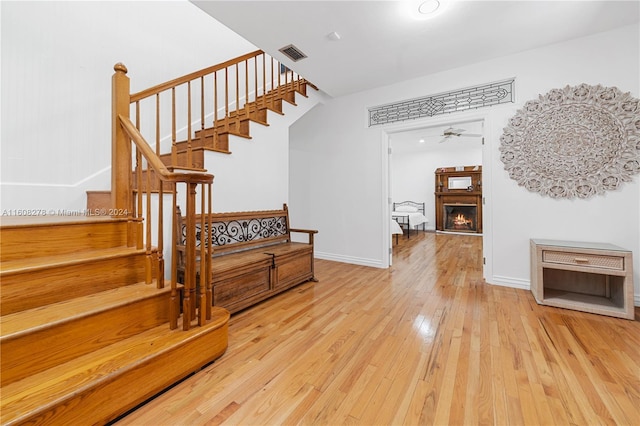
<point>120,67</point>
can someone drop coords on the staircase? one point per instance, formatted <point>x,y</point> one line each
<point>221,103</point>
<point>89,329</point>
<point>84,337</point>
<point>216,138</point>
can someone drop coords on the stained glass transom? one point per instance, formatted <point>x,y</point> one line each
<point>482,96</point>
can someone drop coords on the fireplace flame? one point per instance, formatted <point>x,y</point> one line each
<point>461,220</point>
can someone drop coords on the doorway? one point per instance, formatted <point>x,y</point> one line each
<point>416,150</point>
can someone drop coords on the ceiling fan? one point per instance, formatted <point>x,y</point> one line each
<point>451,132</point>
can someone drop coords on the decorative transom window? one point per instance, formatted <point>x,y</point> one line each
<point>485,95</point>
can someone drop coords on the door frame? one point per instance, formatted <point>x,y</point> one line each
<point>487,169</point>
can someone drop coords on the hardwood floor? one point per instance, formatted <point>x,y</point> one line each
<point>424,342</point>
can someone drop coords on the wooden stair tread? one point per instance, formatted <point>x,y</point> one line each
<point>48,388</point>
<point>8,222</point>
<point>231,132</point>
<point>222,151</point>
<point>262,122</point>
<point>46,316</point>
<point>43,262</point>
<point>277,111</point>
<point>181,148</point>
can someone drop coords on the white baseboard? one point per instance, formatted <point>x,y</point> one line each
<point>510,282</point>
<point>349,259</point>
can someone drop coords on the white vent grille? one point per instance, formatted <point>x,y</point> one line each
<point>292,53</point>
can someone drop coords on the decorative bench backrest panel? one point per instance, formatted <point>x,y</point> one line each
<point>237,231</point>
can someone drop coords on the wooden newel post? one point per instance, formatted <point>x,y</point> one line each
<point>121,165</point>
<point>189,299</point>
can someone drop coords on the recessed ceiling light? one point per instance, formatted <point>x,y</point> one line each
<point>421,141</point>
<point>428,7</point>
<point>421,10</point>
<point>334,36</point>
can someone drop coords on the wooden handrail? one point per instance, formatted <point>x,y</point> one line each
<point>158,175</point>
<point>192,76</point>
<point>154,161</point>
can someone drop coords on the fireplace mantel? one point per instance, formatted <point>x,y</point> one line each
<point>448,191</point>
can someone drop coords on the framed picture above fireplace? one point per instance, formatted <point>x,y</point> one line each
<point>460,182</point>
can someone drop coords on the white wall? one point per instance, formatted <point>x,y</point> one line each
<point>256,174</point>
<point>413,173</point>
<point>346,175</point>
<point>57,63</point>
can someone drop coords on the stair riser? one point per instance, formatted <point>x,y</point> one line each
<point>258,114</point>
<point>302,89</point>
<point>106,400</point>
<point>238,127</point>
<point>220,144</point>
<point>27,290</point>
<point>99,201</point>
<point>33,352</point>
<point>197,159</point>
<point>275,105</point>
<point>249,113</point>
<point>34,241</point>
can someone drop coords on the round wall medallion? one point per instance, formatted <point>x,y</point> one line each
<point>574,142</point>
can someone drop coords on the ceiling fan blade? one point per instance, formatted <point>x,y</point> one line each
<point>473,135</point>
<point>452,132</point>
<point>444,139</point>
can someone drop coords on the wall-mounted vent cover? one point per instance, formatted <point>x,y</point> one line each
<point>292,53</point>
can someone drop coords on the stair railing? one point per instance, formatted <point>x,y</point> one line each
<point>215,100</point>
<point>132,198</point>
<point>209,102</point>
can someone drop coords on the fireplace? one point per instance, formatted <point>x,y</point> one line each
<point>458,192</point>
<point>460,217</point>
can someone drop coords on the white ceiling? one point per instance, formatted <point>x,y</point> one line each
<point>410,140</point>
<point>380,46</point>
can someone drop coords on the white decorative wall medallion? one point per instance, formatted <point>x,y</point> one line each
<point>574,142</point>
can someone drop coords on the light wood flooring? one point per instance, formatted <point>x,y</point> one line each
<point>424,342</point>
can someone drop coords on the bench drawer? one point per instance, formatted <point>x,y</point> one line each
<point>241,291</point>
<point>294,270</point>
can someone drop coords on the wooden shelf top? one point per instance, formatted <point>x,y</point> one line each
<point>453,169</point>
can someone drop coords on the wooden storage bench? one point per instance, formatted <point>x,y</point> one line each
<point>253,256</point>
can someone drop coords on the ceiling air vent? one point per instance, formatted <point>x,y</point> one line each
<point>293,53</point>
